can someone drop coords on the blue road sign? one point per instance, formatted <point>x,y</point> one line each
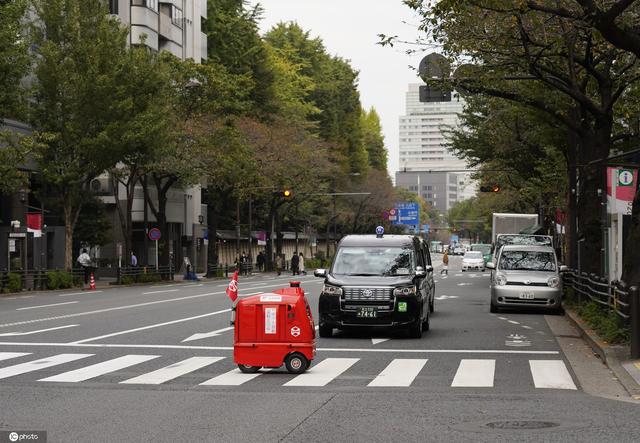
<point>408,213</point>
<point>379,230</point>
<point>426,228</point>
<point>154,234</point>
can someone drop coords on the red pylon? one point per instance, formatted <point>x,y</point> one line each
<point>92,283</point>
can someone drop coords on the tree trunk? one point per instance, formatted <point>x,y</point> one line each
<point>68,239</point>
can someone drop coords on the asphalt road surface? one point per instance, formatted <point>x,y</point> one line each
<point>154,363</point>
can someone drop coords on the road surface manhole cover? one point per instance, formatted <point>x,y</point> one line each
<point>521,424</point>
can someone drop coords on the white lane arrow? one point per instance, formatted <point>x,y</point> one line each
<point>375,341</point>
<point>13,334</point>
<point>201,335</point>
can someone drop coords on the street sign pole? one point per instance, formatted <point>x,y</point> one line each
<point>156,255</point>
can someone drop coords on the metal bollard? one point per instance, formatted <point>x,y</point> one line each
<point>634,312</point>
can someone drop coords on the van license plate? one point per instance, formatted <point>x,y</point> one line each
<point>527,296</point>
<point>367,312</point>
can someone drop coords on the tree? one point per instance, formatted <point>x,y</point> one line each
<point>79,50</point>
<point>373,139</point>
<point>14,57</point>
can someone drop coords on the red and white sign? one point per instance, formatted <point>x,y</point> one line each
<point>621,190</point>
<point>34,223</point>
<point>295,331</point>
<point>232,289</point>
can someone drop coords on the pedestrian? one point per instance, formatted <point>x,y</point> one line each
<point>295,260</point>
<point>301,265</point>
<point>85,261</point>
<point>278,263</point>
<point>244,261</point>
<point>260,261</point>
<point>445,263</point>
<point>134,260</point>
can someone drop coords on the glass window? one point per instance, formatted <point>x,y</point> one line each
<point>527,261</point>
<point>473,254</point>
<point>374,260</point>
<point>176,16</point>
<point>151,4</point>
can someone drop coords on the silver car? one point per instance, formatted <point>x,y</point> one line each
<point>526,276</point>
<point>473,260</point>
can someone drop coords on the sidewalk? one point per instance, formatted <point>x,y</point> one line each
<point>616,357</point>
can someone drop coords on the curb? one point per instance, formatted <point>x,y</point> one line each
<point>611,355</point>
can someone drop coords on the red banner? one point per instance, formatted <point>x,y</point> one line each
<point>34,223</point>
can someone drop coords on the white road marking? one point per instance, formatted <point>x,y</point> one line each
<point>47,306</point>
<point>102,368</point>
<point>551,374</point>
<point>445,297</point>
<point>513,322</point>
<point>502,318</point>
<point>323,373</point>
<point>192,285</point>
<point>162,286</point>
<point>201,335</point>
<point>250,294</point>
<point>464,284</point>
<point>8,334</point>
<point>230,348</point>
<point>474,374</point>
<point>171,372</point>
<point>42,363</point>
<point>526,327</point>
<point>375,341</point>
<point>232,378</point>
<point>400,372</point>
<point>160,292</point>
<point>117,308</point>
<point>459,275</point>
<point>144,328</point>
<point>10,355</point>
<point>80,293</point>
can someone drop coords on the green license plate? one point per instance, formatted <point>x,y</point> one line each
<point>402,306</point>
<point>367,312</point>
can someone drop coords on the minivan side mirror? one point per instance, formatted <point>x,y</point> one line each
<point>420,272</point>
<point>490,265</point>
<point>322,273</point>
<point>563,268</point>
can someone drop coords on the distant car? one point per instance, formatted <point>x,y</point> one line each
<point>473,260</point>
<point>458,250</point>
<point>485,249</point>
<point>526,276</point>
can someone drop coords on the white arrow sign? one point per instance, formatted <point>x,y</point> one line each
<point>13,334</point>
<point>375,341</point>
<point>201,335</point>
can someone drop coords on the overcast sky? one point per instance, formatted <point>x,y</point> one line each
<point>349,28</point>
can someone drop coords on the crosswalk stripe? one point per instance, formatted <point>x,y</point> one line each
<point>551,374</point>
<point>232,378</point>
<point>102,368</point>
<point>474,373</point>
<point>10,355</point>
<point>400,372</point>
<point>173,371</point>
<point>42,363</point>
<point>323,372</point>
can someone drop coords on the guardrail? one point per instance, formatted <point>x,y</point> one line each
<point>614,296</point>
<point>144,274</point>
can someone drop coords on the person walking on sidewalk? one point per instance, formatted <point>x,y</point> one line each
<point>85,261</point>
<point>279,260</point>
<point>295,261</point>
<point>301,265</point>
<point>445,263</point>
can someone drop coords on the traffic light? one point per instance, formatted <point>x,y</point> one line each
<point>492,188</point>
<point>286,193</point>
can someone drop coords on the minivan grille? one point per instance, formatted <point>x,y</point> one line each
<point>367,294</point>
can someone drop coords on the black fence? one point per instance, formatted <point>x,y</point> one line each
<point>614,296</point>
<point>144,274</point>
<point>38,279</point>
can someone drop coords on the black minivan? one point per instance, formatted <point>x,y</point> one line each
<point>378,281</point>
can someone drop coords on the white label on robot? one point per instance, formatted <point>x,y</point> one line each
<point>270,320</point>
<point>271,298</point>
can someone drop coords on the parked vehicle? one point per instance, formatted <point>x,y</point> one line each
<point>473,260</point>
<point>512,224</point>
<point>526,276</point>
<point>378,281</point>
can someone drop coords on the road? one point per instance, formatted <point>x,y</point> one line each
<point>154,363</point>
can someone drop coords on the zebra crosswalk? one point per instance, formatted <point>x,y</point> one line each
<point>198,371</point>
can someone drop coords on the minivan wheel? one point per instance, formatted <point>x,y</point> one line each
<point>325,330</point>
<point>493,308</point>
<point>415,329</point>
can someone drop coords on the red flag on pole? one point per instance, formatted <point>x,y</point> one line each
<point>34,223</point>
<point>232,290</point>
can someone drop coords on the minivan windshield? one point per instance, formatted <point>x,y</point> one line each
<point>374,260</point>
<point>527,261</point>
<point>473,254</point>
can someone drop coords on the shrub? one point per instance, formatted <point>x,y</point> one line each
<point>150,277</point>
<point>52,280</point>
<point>604,322</point>
<point>65,280</point>
<point>127,280</point>
<point>14,282</point>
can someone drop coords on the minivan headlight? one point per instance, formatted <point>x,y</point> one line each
<point>501,279</point>
<point>553,282</point>
<point>332,290</point>
<point>405,290</point>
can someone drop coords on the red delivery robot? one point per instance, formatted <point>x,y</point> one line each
<point>274,328</point>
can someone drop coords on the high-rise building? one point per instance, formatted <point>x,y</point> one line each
<point>427,166</point>
<point>165,25</point>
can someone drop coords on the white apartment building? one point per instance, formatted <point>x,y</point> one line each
<point>423,148</point>
<point>166,25</point>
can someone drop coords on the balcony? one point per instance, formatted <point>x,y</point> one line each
<point>144,25</point>
<point>169,31</point>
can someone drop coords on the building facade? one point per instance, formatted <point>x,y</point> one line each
<point>427,166</point>
<point>165,25</point>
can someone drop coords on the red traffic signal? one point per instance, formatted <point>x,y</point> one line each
<point>492,188</point>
